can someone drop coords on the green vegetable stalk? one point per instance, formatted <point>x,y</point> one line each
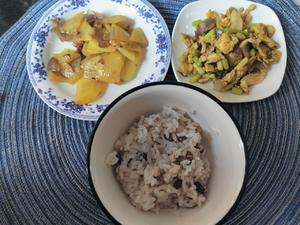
<point>196,23</point>
<point>236,91</point>
<point>195,78</point>
<point>218,23</point>
<point>253,25</point>
<point>219,65</point>
<point>230,30</point>
<point>244,32</point>
<point>209,76</point>
<point>240,36</point>
<point>197,61</point>
<point>199,69</point>
<point>271,30</point>
<point>210,34</point>
<point>252,52</point>
<point>183,57</point>
<point>225,64</point>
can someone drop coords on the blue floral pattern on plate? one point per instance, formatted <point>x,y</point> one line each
<point>38,40</point>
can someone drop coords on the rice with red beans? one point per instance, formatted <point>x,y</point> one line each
<point>160,162</point>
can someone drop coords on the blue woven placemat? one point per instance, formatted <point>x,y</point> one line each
<point>43,168</point>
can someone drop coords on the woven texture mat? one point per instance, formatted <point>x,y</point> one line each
<point>43,166</point>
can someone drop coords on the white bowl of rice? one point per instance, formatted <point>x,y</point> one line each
<point>166,153</point>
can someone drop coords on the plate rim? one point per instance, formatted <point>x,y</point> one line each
<point>244,148</point>
<point>237,100</point>
<point>89,117</point>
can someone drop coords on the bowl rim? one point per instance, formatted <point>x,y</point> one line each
<point>158,83</point>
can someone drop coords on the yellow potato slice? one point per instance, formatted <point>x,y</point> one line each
<point>113,64</point>
<point>67,70</point>
<point>92,66</point>
<point>88,90</point>
<point>73,79</point>
<point>118,33</point>
<point>126,24</point>
<point>107,27</point>
<point>86,31</point>
<point>105,67</point>
<point>91,48</point>
<point>66,56</point>
<point>114,19</point>
<point>122,21</point>
<point>131,67</point>
<point>56,77</point>
<point>72,25</point>
<point>132,46</point>
<point>60,67</point>
<point>138,36</point>
<point>84,49</point>
<point>127,53</point>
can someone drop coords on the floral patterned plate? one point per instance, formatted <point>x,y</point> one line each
<point>43,44</point>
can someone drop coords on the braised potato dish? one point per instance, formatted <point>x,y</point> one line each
<point>109,50</point>
<point>229,50</point>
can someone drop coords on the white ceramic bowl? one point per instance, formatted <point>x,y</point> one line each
<point>262,14</point>
<point>221,138</point>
